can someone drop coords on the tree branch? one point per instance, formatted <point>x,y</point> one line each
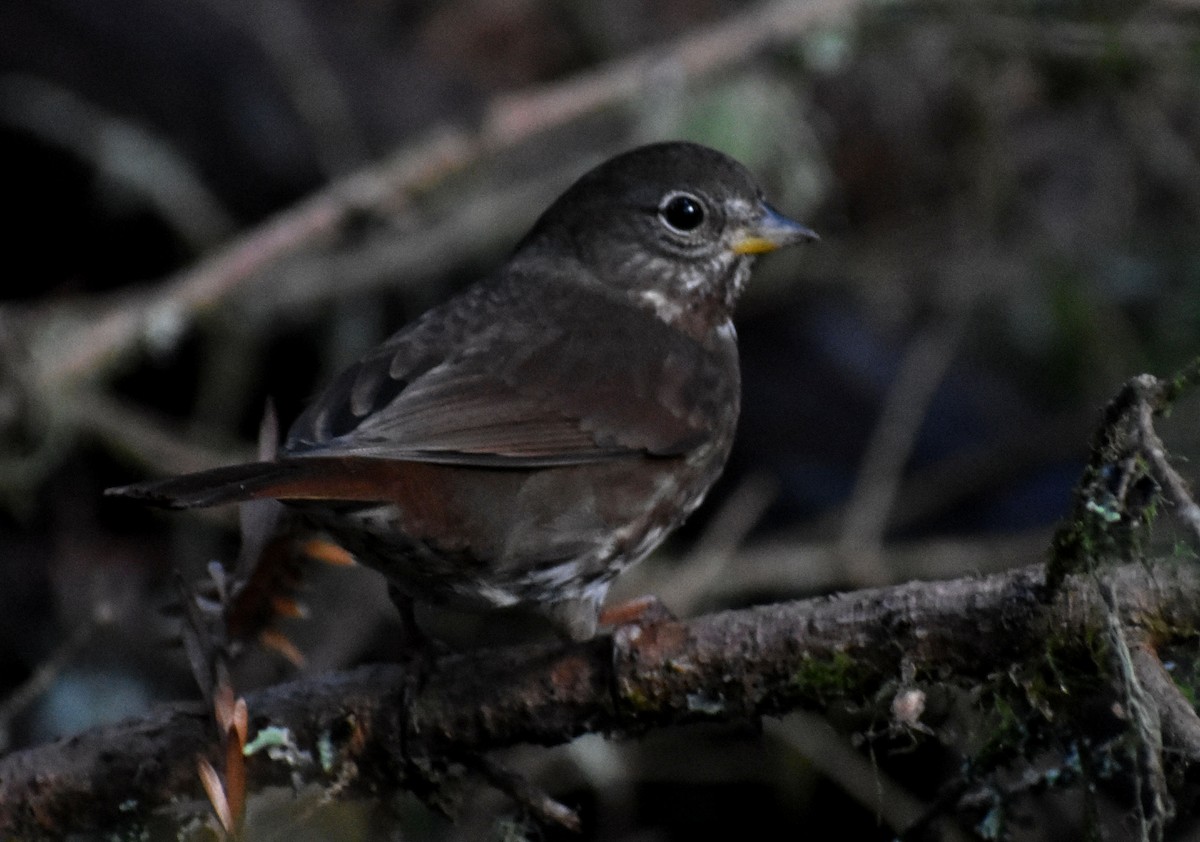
<point>365,729</point>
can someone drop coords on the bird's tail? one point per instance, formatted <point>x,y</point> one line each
<point>306,478</point>
<point>230,484</point>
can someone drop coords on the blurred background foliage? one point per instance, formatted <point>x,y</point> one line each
<point>1009,199</point>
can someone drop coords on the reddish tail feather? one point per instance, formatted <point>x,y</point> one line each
<point>343,478</point>
<point>229,484</point>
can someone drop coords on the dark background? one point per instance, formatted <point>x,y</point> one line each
<point>1009,200</point>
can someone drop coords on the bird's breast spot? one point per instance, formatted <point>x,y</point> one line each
<point>663,307</point>
<point>492,594</point>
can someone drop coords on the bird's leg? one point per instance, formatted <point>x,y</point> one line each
<point>417,649</point>
<point>411,635</point>
<point>645,610</point>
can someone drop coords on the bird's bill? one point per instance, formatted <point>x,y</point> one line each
<point>770,231</point>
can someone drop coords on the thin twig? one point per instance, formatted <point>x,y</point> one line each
<point>140,435</point>
<point>1170,482</point>
<point>1180,722</point>
<point>833,756</point>
<point>1153,800</point>
<point>522,791</point>
<point>100,341</point>
<point>46,673</point>
<point>797,564</point>
<point>133,156</point>
<point>921,371</point>
<point>290,42</point>
<point>929,489</point>
<point>700,53</point>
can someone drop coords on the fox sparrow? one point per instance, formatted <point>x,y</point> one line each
<point>527,440</point>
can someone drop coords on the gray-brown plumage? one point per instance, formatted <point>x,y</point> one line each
<point>528,439</point>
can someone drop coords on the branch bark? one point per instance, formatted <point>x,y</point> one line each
<point>375,728</point>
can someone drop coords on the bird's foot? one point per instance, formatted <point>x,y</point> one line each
<point>646,610</point>
<point>418,651</point>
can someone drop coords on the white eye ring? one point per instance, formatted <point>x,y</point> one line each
<point>682,212</point>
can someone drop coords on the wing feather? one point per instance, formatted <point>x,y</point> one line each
<point>494,378</point>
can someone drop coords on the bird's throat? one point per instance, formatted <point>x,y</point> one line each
<point>696,304</point>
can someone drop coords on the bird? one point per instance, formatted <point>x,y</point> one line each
<point>527,440</point>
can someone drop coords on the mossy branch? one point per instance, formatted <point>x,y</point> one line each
<point>376,729</point>
<point>1127,474</point>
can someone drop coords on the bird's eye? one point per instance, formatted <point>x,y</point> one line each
<point>682,212</point>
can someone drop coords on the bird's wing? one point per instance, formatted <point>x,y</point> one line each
<point>515,373</point>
